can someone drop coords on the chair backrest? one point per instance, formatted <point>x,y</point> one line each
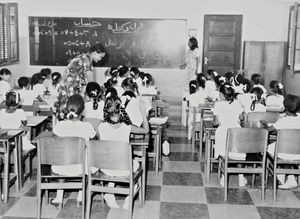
<point>253,119</point>
<point>246,140</point>
<point>288,141</point>
<point>56,150</point>
<point>113,155</point>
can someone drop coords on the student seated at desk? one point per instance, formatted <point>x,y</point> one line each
<point>37,85</point>
<point>5,87</point>
<point>227,112</point>
<point>27,95</point>
<point>136,76</point>
<point>196,96</point>
<point>94,105</point>
<point>72,126</point>
<point>14,118</point>
<point>123,73</point>
<point>275,100</point>
<point>117,127</point>
<point>291,120</point>
<point>54,84</point>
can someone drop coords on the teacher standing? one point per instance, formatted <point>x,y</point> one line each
<point>192,60</point>
<point>76,76</point>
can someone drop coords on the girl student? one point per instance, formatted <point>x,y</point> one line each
<point>210,84</point>
<point>123,73</point>
<point>290,120</point>
<point>227,114</point>
<point>54,84</point>
<point>258,104</point>
<point>5,76</point>
<point>275,100</point>
<point>94,105</point>
<point>72,126</point>
<point>135,74</point>
<point>14,118</point>
<point>26,94</point>
<point>132,102</point>
<point>117,127</point>
<point>195,97</point>
<point>258,81</point>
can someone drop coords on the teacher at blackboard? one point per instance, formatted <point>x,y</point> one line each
<point>192,60</point>
<point>76,76</point>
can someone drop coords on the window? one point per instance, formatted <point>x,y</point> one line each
<point>9,45</point>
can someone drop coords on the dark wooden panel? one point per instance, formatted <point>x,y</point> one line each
<point>222,27</point>
<point>221,57</point>
<point>221,42</point>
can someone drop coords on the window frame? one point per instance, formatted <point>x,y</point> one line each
<point>9,56</point>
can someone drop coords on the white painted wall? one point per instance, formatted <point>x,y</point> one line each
<point>264,20</point>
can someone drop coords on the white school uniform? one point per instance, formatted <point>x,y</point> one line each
<point>39,90</point>
<point>14,121</point>
<point>91,113</point>
<point>139,82</point>
<point>245,100</point>
<point>118,132</point>
<point>228,115</point>
<point>194,100</point>
<point>287,122</point>
<point>275,101</point>
<point>27,96</point>
<point>4,88</point>
<point>211,90</point>
<point>69,128</point>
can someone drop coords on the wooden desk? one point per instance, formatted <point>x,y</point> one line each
<point>35,123</point>
<point>140,144</point>
<point>156,129</point>
<point>210,130</point>
<point>11,141</point>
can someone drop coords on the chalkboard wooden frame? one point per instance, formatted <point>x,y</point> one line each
<point>140,42</point>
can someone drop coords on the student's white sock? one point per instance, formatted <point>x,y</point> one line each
<point>111,200</point>
<point>79,196</point>
<point>242,180</point>
<point>59,196</point>
<point>281,178</point>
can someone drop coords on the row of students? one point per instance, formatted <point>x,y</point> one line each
<point>229,112</point>
<point>116,127</point>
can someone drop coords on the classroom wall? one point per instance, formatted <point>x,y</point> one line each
<point>264,20</point>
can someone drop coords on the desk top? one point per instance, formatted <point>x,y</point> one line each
<point>8,134</point>
<point>33,121</point>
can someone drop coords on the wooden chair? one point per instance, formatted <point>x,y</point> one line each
<point>197,127</point>
<point>95,123</point>
<point>244,140</point>
<point>253,119</point>
<point>287,141</point>
<point>56,150</point>
<point>115,156</point>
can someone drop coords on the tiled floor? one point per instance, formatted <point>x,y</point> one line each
<point>178,191</point>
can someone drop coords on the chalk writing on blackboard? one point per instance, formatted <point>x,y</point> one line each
<point>152,43</point>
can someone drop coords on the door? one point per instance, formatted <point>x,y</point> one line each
<point>222,43</point>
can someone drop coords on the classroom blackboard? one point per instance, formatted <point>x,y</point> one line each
<point>148,43</point>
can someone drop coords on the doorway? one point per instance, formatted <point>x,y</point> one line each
<point>222,43</point>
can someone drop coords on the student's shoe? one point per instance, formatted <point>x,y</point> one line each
<point>56,203</point>
<point>111,201</point>
<point>222,181</point>
<point>289,184</point>
<point>242,181</point>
